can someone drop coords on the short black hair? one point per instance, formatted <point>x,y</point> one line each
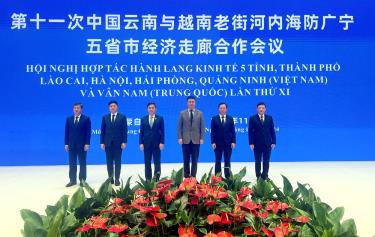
<point>78,104</point>
<point>261,103</point>
<point>151,103</point>
<point>222,103</point>
<point>191,97</point>
<point>112,102</point>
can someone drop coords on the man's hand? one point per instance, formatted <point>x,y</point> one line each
<point>86,147</point>
<point>213,146</point>
<point>102,146</point>
<point>201,141</point>
<point>66,148</point>
<point>123,146</point>
<point>233,145</point>
<point>252,146</point>
<point>161,146</point>
<point>141,147</point>
<point>180,141</point>
<point>273,146</point>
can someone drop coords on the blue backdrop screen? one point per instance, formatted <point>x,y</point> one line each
<point>310,62</point>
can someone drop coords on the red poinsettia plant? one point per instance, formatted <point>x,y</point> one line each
<point>210,208</point>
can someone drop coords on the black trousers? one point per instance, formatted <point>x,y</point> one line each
<point>221,150</point>
<point>190,151</point>
<point>113,156</point>
<point>73,154</point>
<point>152,152</point>
<point>262,153</point>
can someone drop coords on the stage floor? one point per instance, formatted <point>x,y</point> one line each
<point>348,184</point>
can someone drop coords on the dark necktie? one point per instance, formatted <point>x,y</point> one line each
<point>76,120</point>
<point>191,117</point>
<point>113,118</point>
<point>262,118</point>
<point>222,120</point>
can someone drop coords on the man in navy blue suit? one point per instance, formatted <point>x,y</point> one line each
<point>262,139</point>
<point>77,142</point>
<point>223,138</point>
<point>151,140</point>
<point>113,139</point>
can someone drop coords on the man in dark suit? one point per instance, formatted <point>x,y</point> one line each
<point>262,139</point>
<point>151,140</point>
<point>223,138</point>
<point>190,132</point>
<point>113,139</point>
<point>77,142</point>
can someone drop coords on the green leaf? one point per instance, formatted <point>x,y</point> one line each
<point>32,218</point>
<point>54,229</point>
<point>320,214</point>
<point>77,199</point>
<point>336,215</point>
<point>307,232</point>
<point>303,190</point>
<point>288,188</point>
<point>349,228</point>
<point>88,189</point>
<point>203,230</point>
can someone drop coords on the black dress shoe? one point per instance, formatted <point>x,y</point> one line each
<point>117,183</point>
<point>70,184</point>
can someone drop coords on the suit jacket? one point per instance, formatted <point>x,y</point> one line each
<point>261,135</point>
<point>151,136</point>
<point>116,132</point>
<point>191,132</point>
<point>78,135</point>
<point>222,134</point>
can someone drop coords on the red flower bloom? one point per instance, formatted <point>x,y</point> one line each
<point>216,179</point>
<point>244,192</point>
<point>188,184</point>
<point>284,206</point>
<point>267,231</point>
<point>165,182</point>
<point>250,205</point>
<point>210,235</point>
<point>274,206</point>
<point>140,192</point>
<point>209,203</point>
<point>220,195</point>
<point>159,215</point>
<point>152,221</point>
<point>263,215</point>
<point>120,210</point>
<point>117,201</point>
<point>193,200</point>
<point>98,222</point>
<point>171,195</point>
<point>84,228</point>
<point>213,218</point>
<point>117,228</point>
<point>224,234</point>
<point>303,219</point>
<point>184,231</point>
<point>249,231</point>
<point>225,218</point>
<point>282,230</point>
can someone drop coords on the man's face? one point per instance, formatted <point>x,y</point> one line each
<point>191,103</point>
<point>261,109</point>
<point>151,109</point>
<point>113,108</point>
<point>223,109</point>
<point>77,110</point>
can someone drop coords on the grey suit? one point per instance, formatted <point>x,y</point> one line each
<point>191,131</point>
